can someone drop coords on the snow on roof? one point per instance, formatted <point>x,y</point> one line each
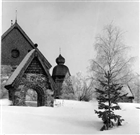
<point>19,68</point>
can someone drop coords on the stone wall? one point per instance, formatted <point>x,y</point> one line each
<point>37,82</point>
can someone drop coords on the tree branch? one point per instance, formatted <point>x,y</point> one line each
<point>120,69</point>
<point>93,61</point>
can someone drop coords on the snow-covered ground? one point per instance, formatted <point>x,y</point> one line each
<point>67,117</point>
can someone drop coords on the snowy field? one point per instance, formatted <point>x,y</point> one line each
<point>67,117</point>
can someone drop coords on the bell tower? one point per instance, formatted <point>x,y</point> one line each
<point>60,71</point>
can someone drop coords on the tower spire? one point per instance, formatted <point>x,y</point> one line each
<point>16,17</point>
<point>60,50</point>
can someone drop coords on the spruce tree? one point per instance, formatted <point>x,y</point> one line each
<point>108,97</point>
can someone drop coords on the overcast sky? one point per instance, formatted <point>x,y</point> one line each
<point>73,26</point>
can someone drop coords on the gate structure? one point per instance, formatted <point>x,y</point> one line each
<point>32,73</point>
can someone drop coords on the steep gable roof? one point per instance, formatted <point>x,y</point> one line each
<point>16,26</point>
<point>20,70</point>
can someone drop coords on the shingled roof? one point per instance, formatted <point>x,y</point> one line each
<point>20,70</point>
<point>16,26</point>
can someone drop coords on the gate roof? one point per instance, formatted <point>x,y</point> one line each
<point>20,70</point>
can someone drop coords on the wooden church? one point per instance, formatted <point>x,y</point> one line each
<point>29,68</point>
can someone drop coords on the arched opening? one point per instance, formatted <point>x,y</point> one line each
<point>35,96</point>
<point>31,98</point>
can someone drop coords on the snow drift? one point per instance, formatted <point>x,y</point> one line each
<point>67,117</point>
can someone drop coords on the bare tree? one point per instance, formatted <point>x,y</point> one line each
<point>83,89</point>
<point>111,56</point>
<point>77,87</point>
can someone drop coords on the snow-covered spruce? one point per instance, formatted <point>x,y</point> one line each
<point>108,97</point>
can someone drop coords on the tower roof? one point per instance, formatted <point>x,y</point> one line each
<point>60,60</point>
<point>60,69</point>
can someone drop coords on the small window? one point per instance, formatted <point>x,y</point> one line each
<point>15,53</point>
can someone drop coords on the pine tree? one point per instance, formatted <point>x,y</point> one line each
<point>108,97</point>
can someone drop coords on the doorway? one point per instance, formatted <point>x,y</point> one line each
<point>31,98</point>
<point>34,96</point>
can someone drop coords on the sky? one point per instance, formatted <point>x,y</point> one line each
<point>73,26</point>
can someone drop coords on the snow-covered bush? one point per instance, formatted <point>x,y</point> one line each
<point>6,71</point>
<point>3,91</point>
<point>5,102</point>
<point>68,96</point>
<point>67,91</point>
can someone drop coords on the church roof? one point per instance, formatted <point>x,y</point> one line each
<point>20,70</point>
<point>16,26</point>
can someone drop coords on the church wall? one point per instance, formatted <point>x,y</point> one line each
<point>14,40</point>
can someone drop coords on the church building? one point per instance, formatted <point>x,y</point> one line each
<point>29,68</point>
<point>15,48</point>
